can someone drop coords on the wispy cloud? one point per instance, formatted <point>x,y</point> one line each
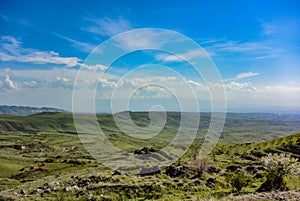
<point>266,56</point>
<point>245,75</point>
<point>261,48</point>
<point>282,27</point>
<point>276,38</point>
<point>3,17</point>
<point>12,50</point>
<point>108,27</point>
<point>242,76</point>
<point>257,48</point>
<point>147,38</point>
<point>189,55</point>
<point>82,46</point>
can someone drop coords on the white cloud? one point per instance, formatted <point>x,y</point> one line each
<point>105,83</point>
<point>198,85</point>
<point>109,27</point>
<point>51,57</point>
<point>240,87</point>
<point>152,92</point>
<point>168,58</point>
<point>189,55</point>
<point>137,82</point>
<point>146,87</point>
<point>31,84</point>
<point>59,82</point>
<point>246,75</point>
<point>13,51</point>
<point>266,56</point>
<point>63,79</point>
<point>234,46</point>
<point>238,93</point>
<point>242,76</point>
<point>259,49</point>
<point>97,67</point>
<point>52,78</point>
<point>146,38</point>
<point>8,84</point>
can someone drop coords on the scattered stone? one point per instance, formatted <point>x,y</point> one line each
<point>196,182</point>
<point>173,171</point>
<point>71,188</point>
<point>145,150</point>
<point>180,184</point>
<point>83,182</point>
<point>258,176</point>
<point>213,169</point>
<point>210,182</point>
<point>21,193</point>
<point>90,196</point>
<point>251,169</point>
<point>37,191</point>
<point>148,171</point>
<point>233,168</point>
<point>116,172</point>
<point>246,157</point>
<point>257,154</point>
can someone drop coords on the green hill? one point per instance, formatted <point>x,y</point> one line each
<point>42,158</point>
<point>239,128</point>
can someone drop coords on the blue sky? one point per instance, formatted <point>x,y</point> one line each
<point>255,46</point>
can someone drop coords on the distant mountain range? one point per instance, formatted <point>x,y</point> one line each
<point>25,110</point>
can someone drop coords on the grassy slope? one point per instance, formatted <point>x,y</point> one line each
<point>239,128</point>
<point>61,157</point>
<point>60,161</point>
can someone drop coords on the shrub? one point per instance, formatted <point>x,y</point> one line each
<point>237,180</point>
<point>199,167</point>
<point>278,166</point>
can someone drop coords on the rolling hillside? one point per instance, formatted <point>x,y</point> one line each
<point>51,166</point>
<point>239,128</point>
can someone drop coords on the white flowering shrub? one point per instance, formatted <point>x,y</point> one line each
<point>278,166</point>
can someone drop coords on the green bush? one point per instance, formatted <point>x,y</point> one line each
<point>237,180</point>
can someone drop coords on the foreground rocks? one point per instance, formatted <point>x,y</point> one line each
<point>278,195</point>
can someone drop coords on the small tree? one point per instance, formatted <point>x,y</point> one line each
<point>278,166</point>
<point>199,167</point>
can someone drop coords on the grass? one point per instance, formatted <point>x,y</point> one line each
<point>42,148</point>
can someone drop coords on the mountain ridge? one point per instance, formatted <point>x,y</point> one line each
<point>14,110</point>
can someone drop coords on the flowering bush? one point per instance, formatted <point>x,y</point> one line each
<point>278,166</point>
